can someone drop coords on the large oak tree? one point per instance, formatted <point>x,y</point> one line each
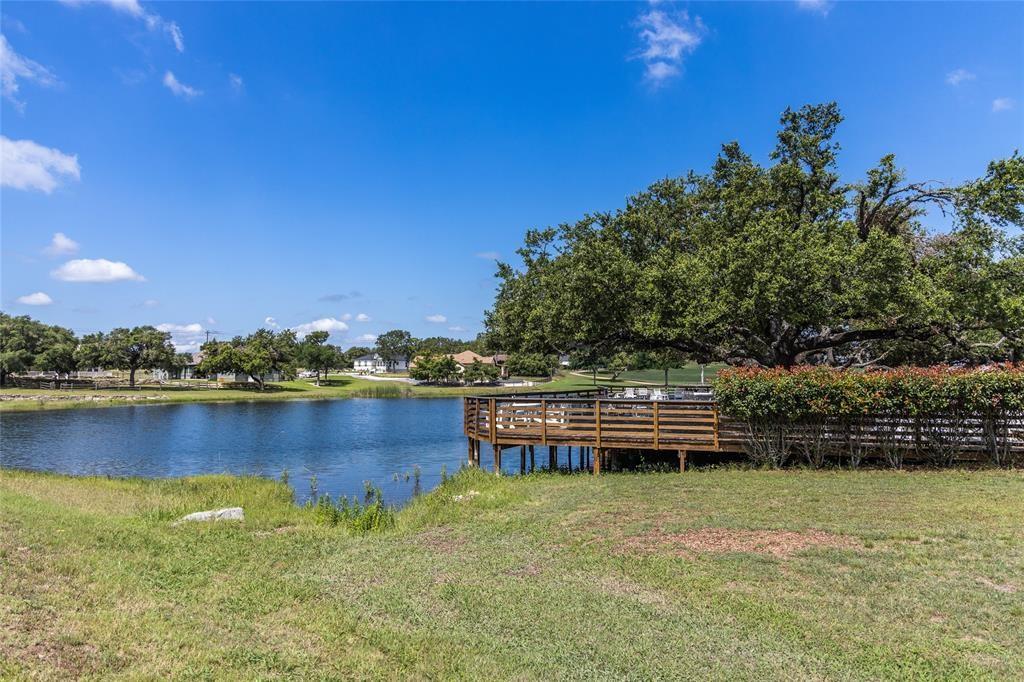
<point>780,264</point>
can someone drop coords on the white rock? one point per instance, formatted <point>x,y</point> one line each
<point>226,514</point>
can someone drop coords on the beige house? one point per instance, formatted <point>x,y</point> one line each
<point>468,357</point>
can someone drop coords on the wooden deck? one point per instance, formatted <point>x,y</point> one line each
<point>591,420</point>
<point>597,423</point>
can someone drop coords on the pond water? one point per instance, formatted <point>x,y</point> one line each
<point>342,442</point>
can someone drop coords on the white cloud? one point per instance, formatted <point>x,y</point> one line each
<point>14,67</point>
<point>179,88</point>
<point>324,324</point>
<point>193,328</point>
<point>820,6</point>
<point>153,21</point>
<point>489,255</point>
<point>362,317</point>
<point>174,31</point>
<point>456,328</point>
<point>151,303</point>
<point>27,165</point>
<point>38,298</point>
<point>667,39</point>
<point>958,76</point>
<point>237,84</point>
<point>96,270</point>
<point>366,338</point>
<point>271,322</point>
<point>346,317</point>
<point>1002,104</point>
<point>436,319</point>
<point>187,338</point>
<point>211,321</point>
<point>61,245</point>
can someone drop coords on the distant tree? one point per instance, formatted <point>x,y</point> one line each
<point>396,343</point>
<point>531,364</point>
<point>480,373</point>
<point>441,345</point>
<point>424,367</point>
<point>90,351</point>
<point>24,343</point>
<point>58,355</point>
<point>138,348</point>
<point>178,362</point>
<point>446,370</point>
<point>435,368</point>
<point>316,354</point>
<point>355,352</point>
<point>255,355</point>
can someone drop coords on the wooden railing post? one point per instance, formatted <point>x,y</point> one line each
<point>715,412</point>
<point>656,427</point>
<point>544,421</point>
<point>494,420</point>
<point>597,419</point>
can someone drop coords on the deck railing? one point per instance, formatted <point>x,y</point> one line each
<point>546,419</point>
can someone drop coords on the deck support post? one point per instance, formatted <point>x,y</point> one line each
<point>568,459</point>
<point>497,457</point>
<point>522,459</point>
<point>533,466</point>
<point>472,452</point>
<point>682,461</point>
<point>597,462</point>
<point>552,457</point>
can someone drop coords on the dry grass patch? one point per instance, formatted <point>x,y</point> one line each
<point>777,543</point>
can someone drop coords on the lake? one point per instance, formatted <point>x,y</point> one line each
<point>341,442</point>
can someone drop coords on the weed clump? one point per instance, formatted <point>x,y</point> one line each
<point>369,515</point>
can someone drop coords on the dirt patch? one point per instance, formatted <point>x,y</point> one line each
<point>778,543</point>
<point>1008,588</point>
<point>621,586</point>
<point>441,539</point>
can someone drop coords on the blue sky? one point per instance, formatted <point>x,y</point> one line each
<point>358,167</point>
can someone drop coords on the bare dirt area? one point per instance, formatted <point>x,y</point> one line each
<point>777,543</point>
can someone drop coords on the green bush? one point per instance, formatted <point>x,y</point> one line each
<point>934,412</point>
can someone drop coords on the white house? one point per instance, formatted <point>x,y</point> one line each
<point>375,363</point>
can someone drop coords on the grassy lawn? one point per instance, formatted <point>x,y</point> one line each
<point>337,386</point>
<point>718,573</point>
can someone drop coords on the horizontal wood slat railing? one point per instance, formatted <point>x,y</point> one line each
<point>599,422</point>
<point>590,419</point>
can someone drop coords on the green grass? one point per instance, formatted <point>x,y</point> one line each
<point>337,386</point>
<point>541,577</point>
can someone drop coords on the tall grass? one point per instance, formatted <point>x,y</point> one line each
<point>359,517</point>
<point>384,390</point>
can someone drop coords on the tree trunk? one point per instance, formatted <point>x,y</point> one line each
<point>131,377</point>
<point>258,381</point>
<point>318,377</point>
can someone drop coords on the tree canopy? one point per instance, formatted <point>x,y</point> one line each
<point>132,349</point>
<point>781,264</point>
<point>396,343</point>
<point>256,355</point>
<point>29,344</point>
<point>316,354</point>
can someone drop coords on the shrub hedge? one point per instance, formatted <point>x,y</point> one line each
<point>936,412</point>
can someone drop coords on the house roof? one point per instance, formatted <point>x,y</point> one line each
<point>467,357</point>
